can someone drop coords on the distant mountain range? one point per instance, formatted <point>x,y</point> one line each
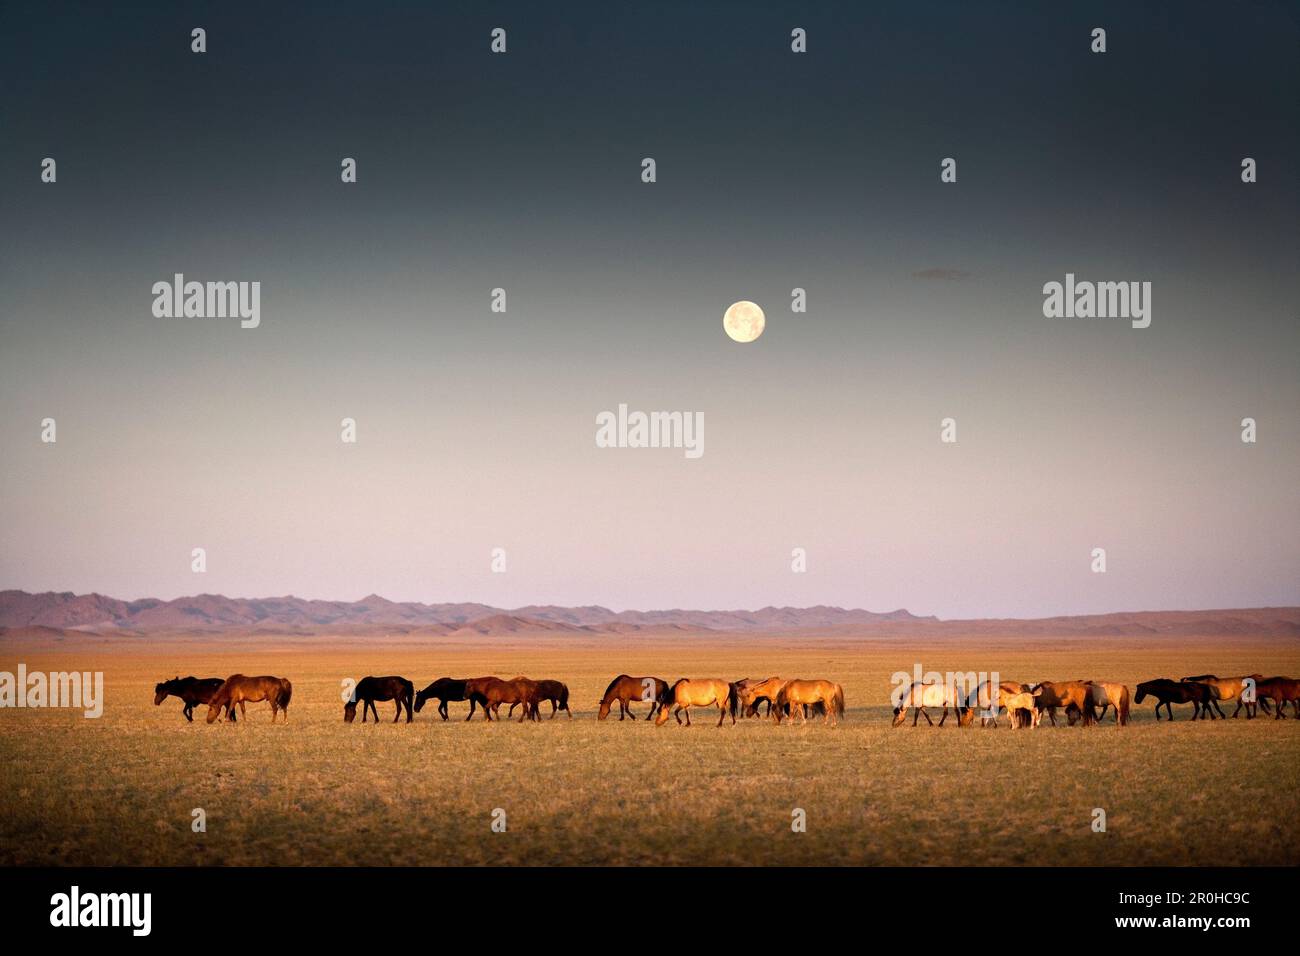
<point>65,611</point>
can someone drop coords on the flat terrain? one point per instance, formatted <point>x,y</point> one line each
<point>121,789</point>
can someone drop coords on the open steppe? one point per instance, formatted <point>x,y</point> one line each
<point>120,790</point>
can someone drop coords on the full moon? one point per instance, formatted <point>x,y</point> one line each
<point>743,321</point>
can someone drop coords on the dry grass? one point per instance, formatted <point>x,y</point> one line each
<point>120,790</point>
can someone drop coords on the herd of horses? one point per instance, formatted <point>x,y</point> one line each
<point>1088,700</point>
<point>1025,704</point>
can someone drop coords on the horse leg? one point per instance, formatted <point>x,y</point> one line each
<point>688,715</point>
<point>722,712</point>
<point>397,716</point>
<point>442,709</point>
<point>944,716</point>
<point>189,712</point>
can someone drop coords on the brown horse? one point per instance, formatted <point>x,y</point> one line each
<point>491,692</point>
<point>548,690</point>
<point>624,690</point>
<point>800,694</point>
<point>1070,694</point>
<point>191,690</point>
<point>443,689</point>
<point>987,705</point>
<point>751,693</point>
<point>1228,688</point>
<point>237,688</point>
<point>1169,692</point>
<point>371,689</point>
<point>1280,690</point>
<point>686,694</point>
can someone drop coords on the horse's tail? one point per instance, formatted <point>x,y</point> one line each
<point>286,691</point>
<point>732,698</point>
<point>837,702</point>
<point>564,696</point>
<point>1122,706</point>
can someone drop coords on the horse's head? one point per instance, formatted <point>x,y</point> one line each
<point>603,712</point>
<point>661,718</point>
<point>160,692</point>
<point>350,711</point>
<point>214,710</point>
<point>420,698</point>
<point>1141,692</point>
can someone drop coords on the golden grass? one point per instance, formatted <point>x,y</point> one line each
<point>120,790</point>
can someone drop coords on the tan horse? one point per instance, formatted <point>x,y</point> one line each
<point>981,704</point>
<point>921,696</point>
<point>1229,689</point>
<point>1105,694</point>
<point>1023,700</point>
<point>686,694</point>
<point>237,689</point>
<point>801,694</point>
<point>751,693</point>
<point>1070,694</point>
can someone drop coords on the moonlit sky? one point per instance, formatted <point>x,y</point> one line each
<point>476,430</point>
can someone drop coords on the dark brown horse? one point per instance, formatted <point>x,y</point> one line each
<point>371,689</point>
<point>443,690</point>
<point>552,690</point>
<point>625,690</point>
<point>1169,692</point>
<point>237,688</point>
<point>191,690</point>
<point>1230,688</point>
<point>1281,691</point>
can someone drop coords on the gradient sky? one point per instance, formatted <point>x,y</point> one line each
<point>775,170</point>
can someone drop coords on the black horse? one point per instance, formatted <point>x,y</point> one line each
<point>371,689</point>
<point>444,689</point>
<point>191,690</point>
<point>1169,692</point>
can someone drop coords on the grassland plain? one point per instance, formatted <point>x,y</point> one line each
<point>120,790</point>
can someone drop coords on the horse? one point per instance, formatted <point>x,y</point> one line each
<point>624,689</point>
<point>921,696</point>
<point>801,693</point>
<point>751,693</point>
<point>1105,694</point>
<point>1023,700</point>
<point>491,692</point>
<point>1228,688</point>
<point>371,689</point>
<point>1279,690</point>
<point>237,688</point>
<point>444,689</point>
<point>1070,694</point>
<point>191,690</point>
<point>982,701</point>
<point>1169,692</point>
<point>552,690</point>
<point>686,694</point>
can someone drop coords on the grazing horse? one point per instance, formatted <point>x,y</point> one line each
<point>921,696</point>
<point>1228,688</point>
<point>799,694</point>
<point>1105,694</point>
<point>1169,692</point>
<point>371,689</point>
<point>237,688</point>
<point>552,690</point>
<point>1279,690</point>
<point>686,694</point>
<point>443,689</point>
<point>191,690</point>
<point>751,693</point>
<point>1022,700</point>
<point>1070,694</point>
<point>624,689</point>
